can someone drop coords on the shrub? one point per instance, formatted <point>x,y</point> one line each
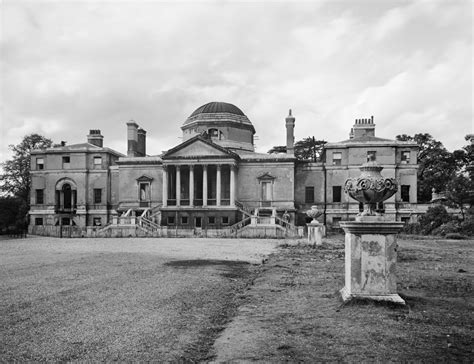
<point>450,227</point>
<point>456,236</point>
<point>434,217</point>
<point>412,229</point>
<point>467,226</point>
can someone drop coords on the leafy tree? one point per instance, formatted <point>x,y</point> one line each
<point>16,179</point>
<point>306,149</point>
<point>434,218</point>
<point>9,207</point>
<point>437,165</point>
<point>459,192</point>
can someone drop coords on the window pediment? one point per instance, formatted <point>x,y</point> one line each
<point>266,177</point>
<point>144,178</point>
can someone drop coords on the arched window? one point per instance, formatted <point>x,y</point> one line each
<point>215,133</point>
<point>66,195</point>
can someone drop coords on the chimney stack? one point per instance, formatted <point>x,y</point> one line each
<point>363,127</point>
<point>132,138</point>
<point>94,138</point>
<point>141,147</point>
<point>290,138</point>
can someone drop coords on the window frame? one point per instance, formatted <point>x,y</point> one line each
<point>309,192</point>
<point>405,192</point>
<point>337,161</point>
<point>405,157</point>
<point>39,219</point>
<point>66,159</point>
<point>39,193</point>
<point>97,193</point>
<point>371,153</point>
<point>339,193</point>
<point>38,164</point>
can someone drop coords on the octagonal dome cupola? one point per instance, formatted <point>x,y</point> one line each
<point>225,124</point>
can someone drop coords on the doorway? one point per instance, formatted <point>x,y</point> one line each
<point>198,222</point>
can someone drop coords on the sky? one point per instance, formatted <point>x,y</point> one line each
<point>71,66</point>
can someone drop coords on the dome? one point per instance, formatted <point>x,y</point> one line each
<point>217,107</point>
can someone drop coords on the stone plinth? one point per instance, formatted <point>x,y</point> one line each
<point>370,259</point>
<point>315,233</point>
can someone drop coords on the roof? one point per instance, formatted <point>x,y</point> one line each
<point>246,155</point>
<point>80,147</point>
<point>217,107</point>
<point>369,140</point>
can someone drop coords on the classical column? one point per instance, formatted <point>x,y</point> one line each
<point>232,185</point>
<point>178,185</point>
<point>204,185</point>
<point>165,186</point>
<point>218,185</point>
<point>191,185</point>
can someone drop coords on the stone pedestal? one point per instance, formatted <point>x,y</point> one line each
<point>315,233</point>
<point>370,259</point>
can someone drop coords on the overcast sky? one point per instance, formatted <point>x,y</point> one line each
<point>68,67</point>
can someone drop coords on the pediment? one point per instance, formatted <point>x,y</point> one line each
<point>144,178</point>
<point>266,177</point>
<point>197,148</point>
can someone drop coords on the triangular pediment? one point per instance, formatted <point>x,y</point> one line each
<point>198,147</point>
<point>266,176</point>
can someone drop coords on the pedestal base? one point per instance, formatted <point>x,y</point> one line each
<point>394,297</point>
<point>315,233</point>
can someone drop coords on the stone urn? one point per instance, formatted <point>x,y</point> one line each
<point>370,187</point>
<point>314,213</point>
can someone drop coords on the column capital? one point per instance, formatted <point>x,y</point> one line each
<point>204,167</point>
<point>178,167</point>
<point>191,167</point>
<point>218,166</point>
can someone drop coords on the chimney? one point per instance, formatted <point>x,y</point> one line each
<point>290,138</point>
<point>132,138</point>
<point>95,138</point>
<point>141,147</point>
<point>363,127</point>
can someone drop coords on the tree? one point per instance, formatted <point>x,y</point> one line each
<point>16,179</point>
<point>9,207</point>
<point>306,149</point>
<point>437,165</point>
<point>458,192</point>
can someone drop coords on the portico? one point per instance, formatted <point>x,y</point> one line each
<point>199,184</point>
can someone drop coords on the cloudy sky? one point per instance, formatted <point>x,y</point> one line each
<point>67,67</point>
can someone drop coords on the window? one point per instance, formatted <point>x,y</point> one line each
<point>212,220</point>
<point>336,193</point>
<point>213,133</point>
<point>144,191</point>
<point>309,194</point>
<point>361,207</point>
<point>405,193</point>
<point>266,191</point>
<point>405,220</point>
<point>97,161</point>
<point>371,155</point>
<point>65,221</point>
<point>170,220</point>
<point>184,220</point>
<point>97,221</point>
<point>66,162</point>
<point>38,221</point>
<point>39,197</point>
<point>97,195</point>
<point>336,158</point>
<point>405,157</point>
<point>39,163</point>
<point>380,207</point>
<point>336,221</point>
<point>225,220</point>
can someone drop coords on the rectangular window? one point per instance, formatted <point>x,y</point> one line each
<point>97,195</point>
<point>66,162</point>
<point>97,161</point>
<point>405,157</point>
<point>336,221</point>
<point>405,193</point>
<point>38,221</point>
<point>184,220</point>
<point>336,193</point>
<point>225,220</point>
<point>39,163</point>
<point>170,220</point>
<point>212,220</point>
<point>371,155</point>
<point>336,158</point>
<point>39,197</point>
<point>405,220</point>
<point>97,221</point>
<point>309,194</point>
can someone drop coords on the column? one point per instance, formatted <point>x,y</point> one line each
<point>218,185</point>
<point>191,185</point>
<point>204,185</point>
<point>178,185</point>
<point>232,185</point>
<point>165,186</point>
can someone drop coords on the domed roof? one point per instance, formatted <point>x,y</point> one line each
<point>217,107</point>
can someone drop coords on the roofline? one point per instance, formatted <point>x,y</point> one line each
<point>95,149</point>
<point>206,141</point>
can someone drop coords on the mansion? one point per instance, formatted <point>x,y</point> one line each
<point>212,184</point>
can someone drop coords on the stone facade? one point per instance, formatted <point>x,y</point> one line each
<point>212,183</point>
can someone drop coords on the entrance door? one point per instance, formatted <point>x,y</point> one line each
<point>266,193</point>
<point>197,222</point>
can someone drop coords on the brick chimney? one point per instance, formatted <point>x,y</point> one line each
<point>141,146</point>
<point>363,127</point>
<point>94,138</point>
<point>290,136</point>
<point>132,138</point>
